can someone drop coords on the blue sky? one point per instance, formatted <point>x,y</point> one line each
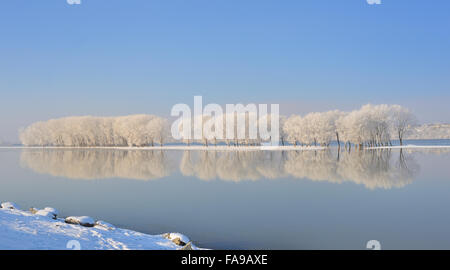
<point>124,57</point>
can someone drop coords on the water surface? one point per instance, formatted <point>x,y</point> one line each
<point>246,199</point>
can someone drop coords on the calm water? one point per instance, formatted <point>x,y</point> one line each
<point>246,200</point>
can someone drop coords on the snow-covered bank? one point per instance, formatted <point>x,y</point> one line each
<point>39,230</point>
<point>180,147</point>
<point>410,146</point>
<point>222,147</point>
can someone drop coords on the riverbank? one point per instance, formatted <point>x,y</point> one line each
<point>179,147</point>
<point>43,229</point>
<point>225,148</point>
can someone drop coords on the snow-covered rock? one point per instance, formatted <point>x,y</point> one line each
<point>45,213</point>
<point>188,246</point>
<point>24,230</point>
<point>104,225</point>
<point>83,221</point>
<point>10,205</point>
<point>177,238</point>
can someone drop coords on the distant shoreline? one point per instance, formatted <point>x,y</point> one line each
<point>226,148</point>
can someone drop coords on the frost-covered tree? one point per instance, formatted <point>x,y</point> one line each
<point>293,129</point>
<point>402,120</point>
<point>371,125</point>
<point>313,128</point>
<point>133,130</point>
<point>158,128</point>
<point>334,117</point>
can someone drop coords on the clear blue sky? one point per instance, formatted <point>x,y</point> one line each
<point>124,57</point>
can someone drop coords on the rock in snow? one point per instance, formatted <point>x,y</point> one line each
<point>83,221</point>
<point>45,213</point>
<point>177,238</point>
<point>188,246</point>
<point>9,205</point>
<point>104,225</point>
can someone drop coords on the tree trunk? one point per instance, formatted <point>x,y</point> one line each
<point>337,138</point>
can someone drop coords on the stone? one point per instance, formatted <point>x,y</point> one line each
<point>178,242</point>
<point>104,225</point>
<point>45,213</point>
<point>10,205</point>
<point>83,221</point>
<point>173,236</point>
<point>188,246</point>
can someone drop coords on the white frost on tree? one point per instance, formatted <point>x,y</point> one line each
<point>371,125</point>
<point>402,121</point>
<point>133,130</point>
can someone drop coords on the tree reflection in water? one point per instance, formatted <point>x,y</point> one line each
<point>98,164</point>
<point>371,168</point>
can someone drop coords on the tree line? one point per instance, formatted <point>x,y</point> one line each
<point>371,125</point>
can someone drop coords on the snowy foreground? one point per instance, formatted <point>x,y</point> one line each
<point>42,230</point>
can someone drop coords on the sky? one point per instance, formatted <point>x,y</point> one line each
<point>111,57</point>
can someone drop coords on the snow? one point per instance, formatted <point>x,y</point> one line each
<point>224,148</point>
<point>105,225</point>
<point>182,147</point>
<point>410,146</point>
<point>83,221</point>
<point>24,230</point>
<point>45,213</point>
<point>9,205</point>
<point>51,210</point>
